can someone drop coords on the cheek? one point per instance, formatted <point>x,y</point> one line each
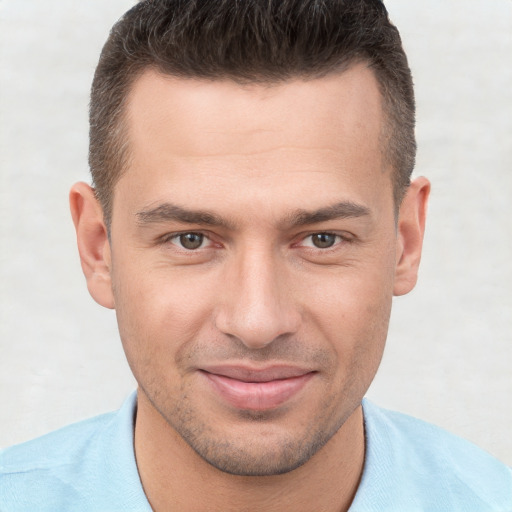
<point>159,311</point>
<point>352,314</point>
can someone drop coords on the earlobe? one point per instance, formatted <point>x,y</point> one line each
<point>93,243</point>
<point>411,228</point>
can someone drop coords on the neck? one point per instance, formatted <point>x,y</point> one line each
<point>174,477</point>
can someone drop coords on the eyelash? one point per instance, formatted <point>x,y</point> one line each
<point>171,236</point>
<point>340,239</point>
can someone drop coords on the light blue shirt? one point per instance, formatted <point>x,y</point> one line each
<point>409,466</point>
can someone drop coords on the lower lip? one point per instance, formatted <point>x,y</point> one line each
<point>257,396</point>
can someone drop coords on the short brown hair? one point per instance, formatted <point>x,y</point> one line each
<point>265,41</point>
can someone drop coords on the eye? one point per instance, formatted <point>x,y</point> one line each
<point>321,240</point>
<point>189,241</point>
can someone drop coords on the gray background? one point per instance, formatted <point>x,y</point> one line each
<point>450,346</point>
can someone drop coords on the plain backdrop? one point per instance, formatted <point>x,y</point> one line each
<point>449,352</point>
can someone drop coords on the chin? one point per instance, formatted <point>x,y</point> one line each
<point>257,460</point>
<point>262,449</point>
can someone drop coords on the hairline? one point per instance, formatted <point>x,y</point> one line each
<point>120,120</point>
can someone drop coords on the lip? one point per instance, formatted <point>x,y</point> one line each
<point>257,389</point>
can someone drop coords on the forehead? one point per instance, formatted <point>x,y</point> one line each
<point>215,137</point>
<point>166,108</point>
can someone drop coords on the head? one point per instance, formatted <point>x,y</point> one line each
<point>249,159</point>
<point>256,41</point>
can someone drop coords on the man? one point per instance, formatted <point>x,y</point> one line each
<point>251,218</point>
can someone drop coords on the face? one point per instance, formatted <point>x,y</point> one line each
<point>253,258</point>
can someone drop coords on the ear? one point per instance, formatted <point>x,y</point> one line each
<point>411,227</point>
<point>93,243</point>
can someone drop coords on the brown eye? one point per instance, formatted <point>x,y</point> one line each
<point>323,240</point>
<point>191,241</point>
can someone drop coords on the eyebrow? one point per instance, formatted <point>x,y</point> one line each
<point>342,210</point>
<point>168,212</point>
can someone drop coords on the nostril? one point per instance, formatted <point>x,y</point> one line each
<point>259,331</point>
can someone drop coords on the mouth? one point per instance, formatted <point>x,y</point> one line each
<point>257,389</point>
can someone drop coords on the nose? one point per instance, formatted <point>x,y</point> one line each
<point>257,305</point>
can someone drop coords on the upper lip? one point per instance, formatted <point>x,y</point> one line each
<point>248,374</point>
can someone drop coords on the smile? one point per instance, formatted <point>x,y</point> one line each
<point>257,390</point>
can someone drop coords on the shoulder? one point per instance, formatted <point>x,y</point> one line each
<point>89,465</point>
<point>426,467</point>
<point>49,470</point>
<point>57,448</point>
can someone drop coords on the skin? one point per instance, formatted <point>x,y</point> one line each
<point>268,168</point>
